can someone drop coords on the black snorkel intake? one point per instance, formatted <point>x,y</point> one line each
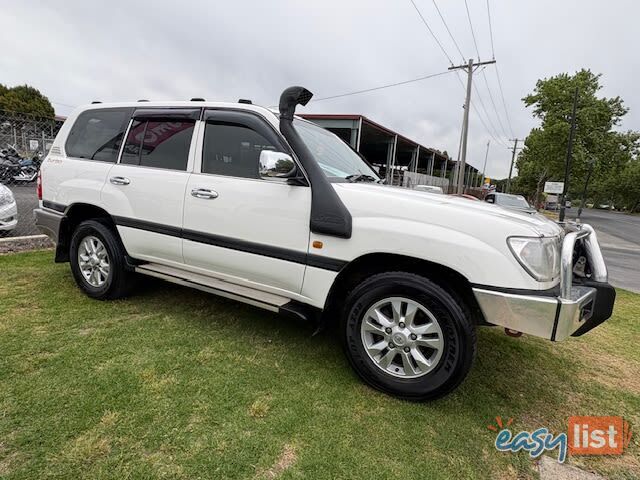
<point>329,216</point>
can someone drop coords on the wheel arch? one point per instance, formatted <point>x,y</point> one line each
<point>74,214</point>
<point>374,263</point>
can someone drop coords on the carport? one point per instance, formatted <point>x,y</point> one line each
<point>392,153</point>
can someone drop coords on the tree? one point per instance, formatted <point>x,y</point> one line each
<point>25,99</point>
<point>544,154</point>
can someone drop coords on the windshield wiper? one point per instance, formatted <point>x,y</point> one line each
<point>360,177</point>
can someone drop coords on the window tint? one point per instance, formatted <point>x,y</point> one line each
<point>97,134</point>
<point>158,144</point>
<point>233,149</point>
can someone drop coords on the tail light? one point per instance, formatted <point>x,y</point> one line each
<point>39,185</point>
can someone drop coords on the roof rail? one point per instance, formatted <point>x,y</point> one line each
<point>245,100</point>
<point>95,101</point>
<point>143,100</point>
<point>197,99</point>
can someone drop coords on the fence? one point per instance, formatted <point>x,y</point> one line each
<point>24,142</point>
<point>411,179</point>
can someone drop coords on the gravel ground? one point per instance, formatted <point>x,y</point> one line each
<point>23,244</point>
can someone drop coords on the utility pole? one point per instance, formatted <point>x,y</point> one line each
<point>513,159</point>
<point>567,169</point>
<point>484,168</point>
<point>469,68</point>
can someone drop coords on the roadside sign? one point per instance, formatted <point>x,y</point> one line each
<point>33,145</point>
<point>553,187</point>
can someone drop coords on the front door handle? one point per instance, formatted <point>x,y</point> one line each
<point>204,193</point>
<point>120,180</point>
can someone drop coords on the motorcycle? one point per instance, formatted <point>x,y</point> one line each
<point>15,168</point>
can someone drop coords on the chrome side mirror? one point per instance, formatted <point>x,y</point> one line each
<point>276,164</point>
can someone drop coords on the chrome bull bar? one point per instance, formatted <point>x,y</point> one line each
<point>594,257</point>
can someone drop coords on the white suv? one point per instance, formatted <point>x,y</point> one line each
<point>274,211</point>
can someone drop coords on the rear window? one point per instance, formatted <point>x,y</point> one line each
<point>97,134</point>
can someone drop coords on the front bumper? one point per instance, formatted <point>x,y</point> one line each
<point>574,310</point>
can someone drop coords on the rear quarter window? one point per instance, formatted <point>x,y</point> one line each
<point>97,134</point>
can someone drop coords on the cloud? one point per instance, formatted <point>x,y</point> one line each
<point>79,51</point>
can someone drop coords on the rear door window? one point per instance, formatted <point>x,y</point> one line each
<point>159,143</point>
<point>97,134</point>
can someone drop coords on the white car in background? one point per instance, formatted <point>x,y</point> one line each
<point>8,210</point>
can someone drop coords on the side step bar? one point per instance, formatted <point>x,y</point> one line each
<point>257,298</point>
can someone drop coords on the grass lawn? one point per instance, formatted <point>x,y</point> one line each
<point>176,383</point>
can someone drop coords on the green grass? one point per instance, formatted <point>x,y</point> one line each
<point>175,383</point>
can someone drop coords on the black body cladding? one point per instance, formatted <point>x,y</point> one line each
<point>329,216</point>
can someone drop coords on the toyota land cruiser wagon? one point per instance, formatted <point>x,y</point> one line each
<point>268,209</point>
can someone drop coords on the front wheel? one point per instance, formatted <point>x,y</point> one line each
<point>406,336</point>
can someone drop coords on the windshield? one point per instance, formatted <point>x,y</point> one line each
<point>512,201</point>
<point>337,160</point>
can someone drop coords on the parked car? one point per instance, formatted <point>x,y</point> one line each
<point>428,188</point>
<point>510,201</point>
<point>8,210</point>
<point>274,211</point>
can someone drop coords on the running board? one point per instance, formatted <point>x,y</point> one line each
<point>257,298</point>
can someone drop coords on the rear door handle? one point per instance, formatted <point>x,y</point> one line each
<point>204,193</point>
<point>120,180</point>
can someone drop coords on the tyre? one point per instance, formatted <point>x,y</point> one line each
<point>406,336</point>
<point>97,259</point>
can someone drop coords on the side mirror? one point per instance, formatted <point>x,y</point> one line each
<point>280,165</point>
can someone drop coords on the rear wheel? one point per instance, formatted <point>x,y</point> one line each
<point>97,260</point>
<point>406,336</point>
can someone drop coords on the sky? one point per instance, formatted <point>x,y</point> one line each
<point>78,51</point>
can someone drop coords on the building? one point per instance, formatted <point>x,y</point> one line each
<point>392,153</point>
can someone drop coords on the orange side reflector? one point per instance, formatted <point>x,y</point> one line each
<point>317,244</point>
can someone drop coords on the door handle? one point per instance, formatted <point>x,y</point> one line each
<point>204,193</point>
<point>120,180</point>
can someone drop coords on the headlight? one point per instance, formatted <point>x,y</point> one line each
<point>540,256</point>
<point>6,197</point>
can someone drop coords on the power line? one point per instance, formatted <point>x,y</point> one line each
<point>389,85</point>
<point>62,104</point>
<point>472,104</point>
<point>492,133</point>
<point>431,32</point>
<point>484,109</point>
<point>493,51</point>
<point>504,103</point>
<point>484,75</point>
<point>448,31</point>
<point>493,103</point>
<point>473,35</point>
